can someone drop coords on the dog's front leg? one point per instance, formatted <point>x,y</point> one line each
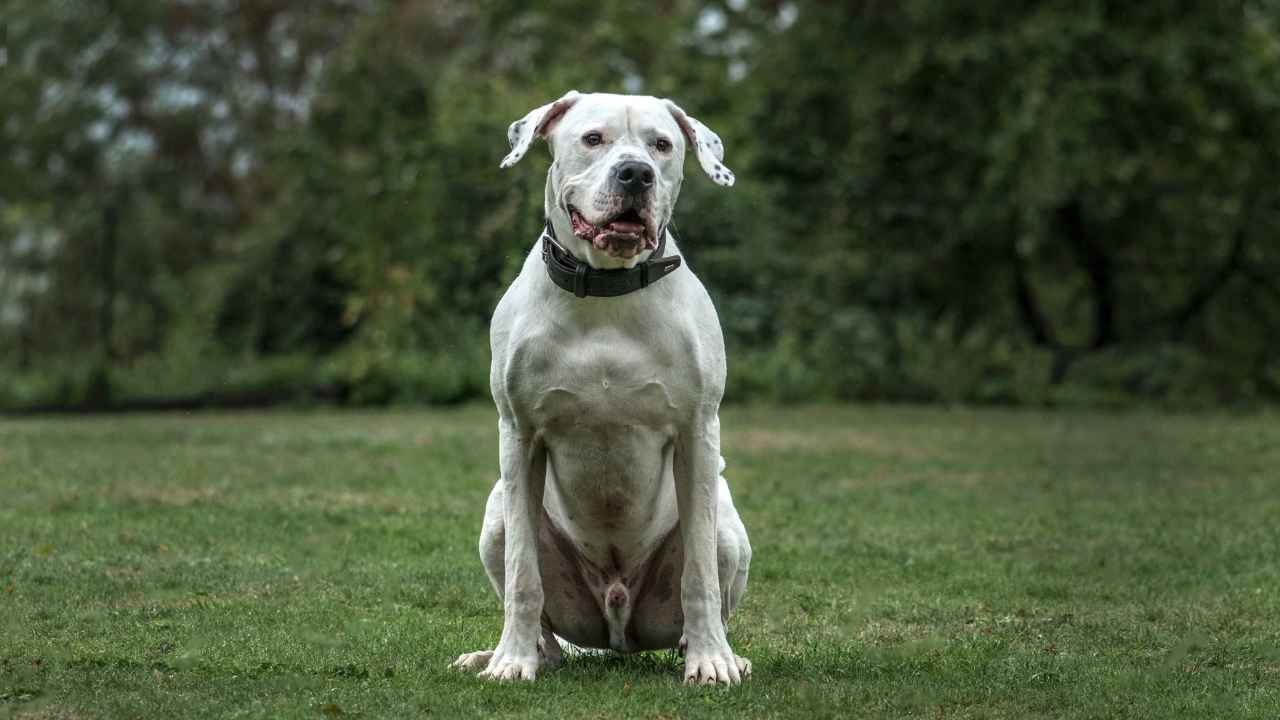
<point>524,468</point>
<point>708,657</point>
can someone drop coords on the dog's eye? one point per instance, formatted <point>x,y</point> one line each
<point>593,139</point>
<point>662,144</point>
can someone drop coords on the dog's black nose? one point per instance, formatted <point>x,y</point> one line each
<point>633,176</point>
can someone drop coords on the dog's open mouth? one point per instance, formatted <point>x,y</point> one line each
<point>625,234</point>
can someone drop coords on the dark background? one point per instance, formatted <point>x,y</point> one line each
<point>220,203</point>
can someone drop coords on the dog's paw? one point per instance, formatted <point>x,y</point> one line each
<point>715,666</point>
<point>505,666</point>
<point>473,661</point>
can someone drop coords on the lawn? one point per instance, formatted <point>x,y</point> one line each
<point>908,563</point>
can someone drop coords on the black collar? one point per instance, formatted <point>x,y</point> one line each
<point>582,280</point>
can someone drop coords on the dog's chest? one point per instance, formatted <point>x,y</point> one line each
<point>599,378</point>
<point>606,403</point>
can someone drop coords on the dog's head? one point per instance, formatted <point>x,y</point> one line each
<point>618,162</point>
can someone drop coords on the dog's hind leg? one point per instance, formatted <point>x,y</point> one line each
<point>733,552</point>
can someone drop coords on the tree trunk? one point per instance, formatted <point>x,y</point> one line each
<point>98,393</point>
<point>1098,267</point>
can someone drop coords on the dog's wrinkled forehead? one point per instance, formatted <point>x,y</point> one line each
<point>632,118</point>
<point>622,116</point>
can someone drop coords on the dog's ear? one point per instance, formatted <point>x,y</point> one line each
<point>537,123</point>
<point>705,143</point>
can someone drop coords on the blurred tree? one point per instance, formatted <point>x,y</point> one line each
<point>132,140</point>
<point>1026,202</point>
<point>1095,180</point>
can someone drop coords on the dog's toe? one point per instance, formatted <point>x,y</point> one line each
<point>718,667</point>
<point>475,661</point>
<point>506,670</point>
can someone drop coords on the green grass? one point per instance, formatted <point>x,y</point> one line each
<point>908,563</point>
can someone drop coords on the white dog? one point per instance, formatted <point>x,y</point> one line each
<point>611,525</point>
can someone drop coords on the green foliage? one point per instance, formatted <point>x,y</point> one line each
<point>1027,203</point>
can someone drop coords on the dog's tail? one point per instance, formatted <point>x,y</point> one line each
<point>617,613</point>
